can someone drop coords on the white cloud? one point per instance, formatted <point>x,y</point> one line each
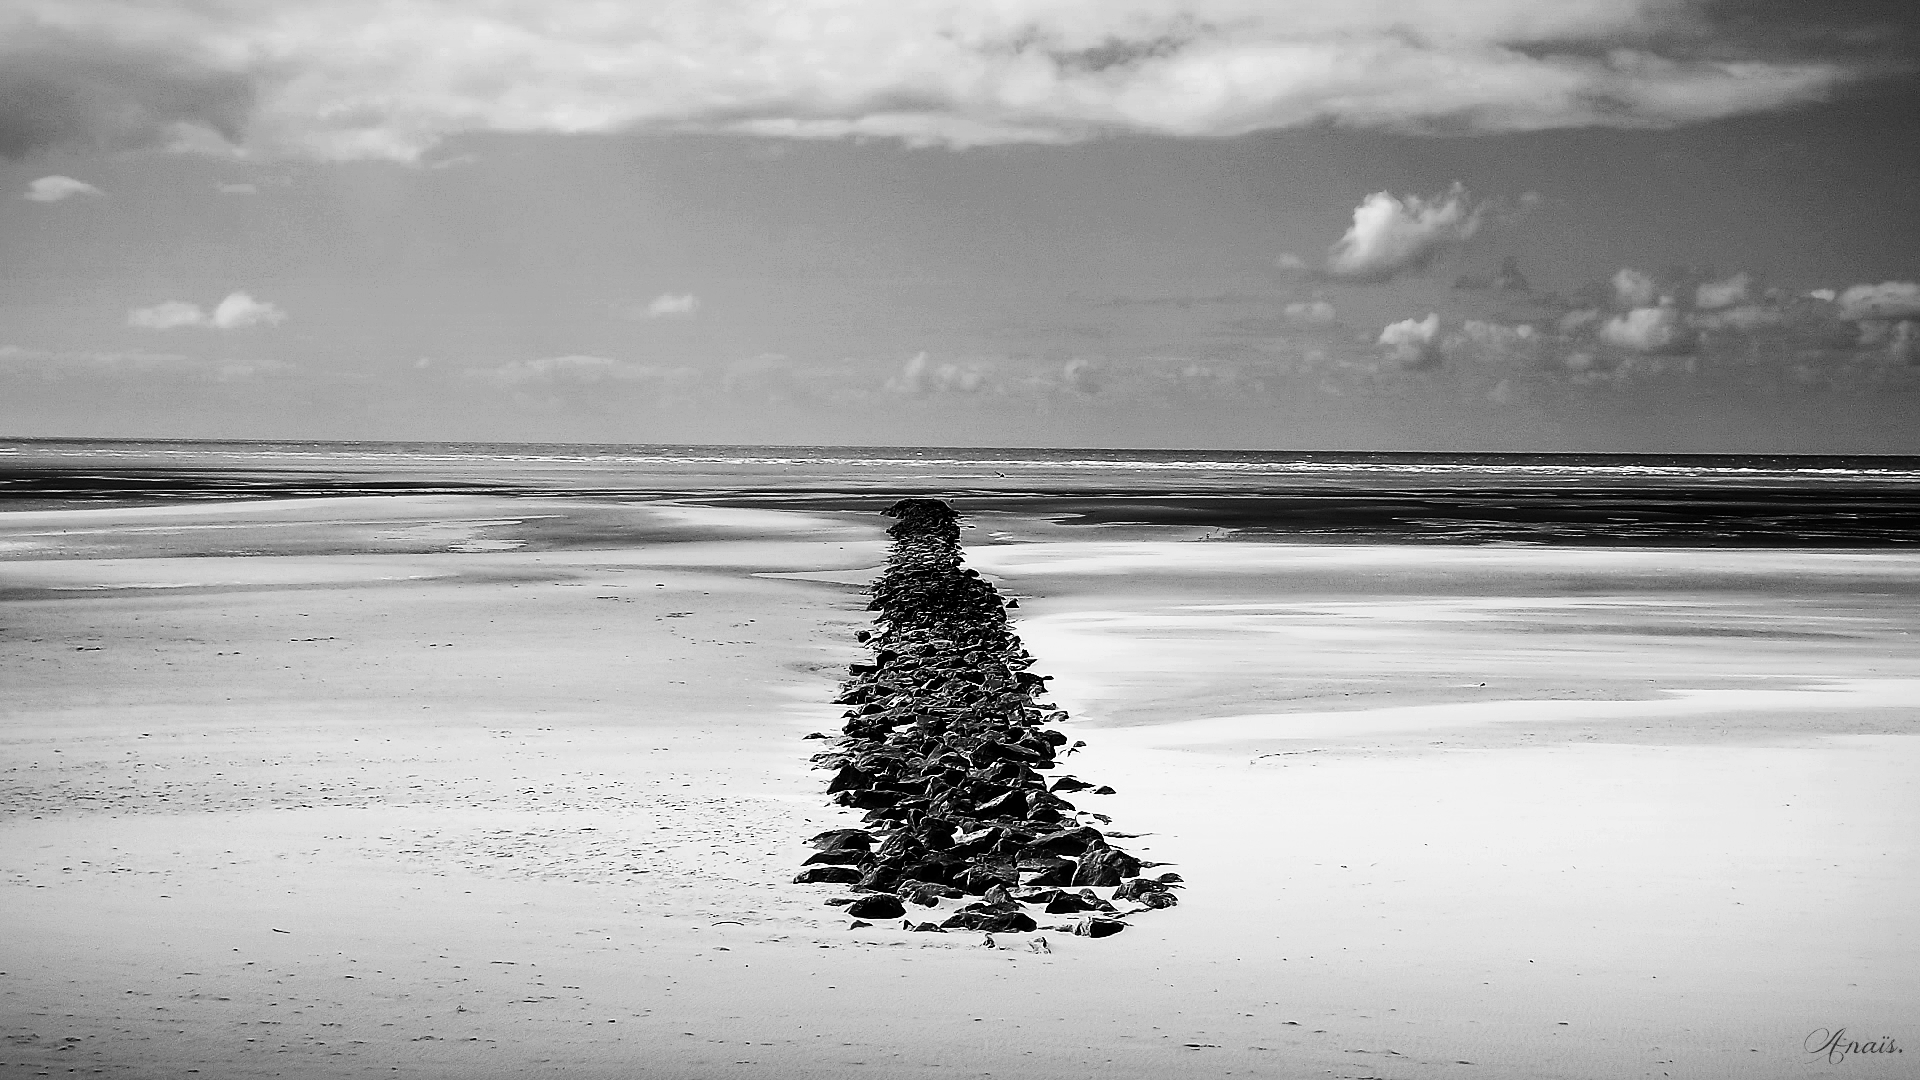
<point>921,375</point>
<point>168,315</point>
<point>577,369</point>
<point>1824,294</point>
<point>1633,289</point>
<point>56,188</point>
<point>1647,330</point>
<point>369,78</point>
<point>239,310</point>
<point>1887,300</point>
<point>1390,235</point>
<point>1415,342</point>
<point>672,305</point>
<point>236,312</point>
<point>1310,313</point>
<point>1714,295</point>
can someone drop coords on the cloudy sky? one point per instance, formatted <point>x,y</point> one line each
<point>1621,225</point>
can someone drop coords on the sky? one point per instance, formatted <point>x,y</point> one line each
<point>1469,225</point>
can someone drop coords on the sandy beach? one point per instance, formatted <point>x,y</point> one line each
<point>468,786</point>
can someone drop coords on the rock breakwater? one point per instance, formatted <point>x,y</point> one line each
<point>947,750</point>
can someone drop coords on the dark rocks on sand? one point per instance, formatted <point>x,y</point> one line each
<point>945,748</point>
<point>1091,927</point>
<point>877,906</point>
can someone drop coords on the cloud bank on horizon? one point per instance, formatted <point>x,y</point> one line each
<point>362,79</point>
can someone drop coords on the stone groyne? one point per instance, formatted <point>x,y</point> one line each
<point>947,751</point>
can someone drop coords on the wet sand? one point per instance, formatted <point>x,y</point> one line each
<point>457,786</point>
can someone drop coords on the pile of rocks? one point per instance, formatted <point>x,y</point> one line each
<point>945,747</point>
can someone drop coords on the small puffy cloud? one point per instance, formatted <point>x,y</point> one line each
<point>672,305</point>
<point>577,369</point>
<point>1392,235</point>
<point>1648,330</point>
<point>1310,313</point>
<point>1824,294</point>
<point>238,311</point>
<point>1414,342</point>
<point>1714,295</point>
<point>1633,289</point>
<point>1887,300</point>
<point>921,375</point>
<point>56,188</point>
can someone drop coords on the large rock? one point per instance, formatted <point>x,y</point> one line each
<point>1065,903</point>
<point>992,922</point>
<point>877,906</point>
<point>1105,866</point>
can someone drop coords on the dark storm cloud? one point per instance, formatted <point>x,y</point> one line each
<point>60,88</point>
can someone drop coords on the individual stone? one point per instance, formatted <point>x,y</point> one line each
<point>1138,888</point>
<point>991,922</point>
<point>877,906</point>
<point>1064,903</point>
<point>834,875</point>
<point>1105,866</point>
<point>1098,928</point>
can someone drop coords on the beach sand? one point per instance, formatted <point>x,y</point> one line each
<point>462,786</point>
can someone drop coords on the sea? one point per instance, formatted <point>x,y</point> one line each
<point>1314,497</point>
